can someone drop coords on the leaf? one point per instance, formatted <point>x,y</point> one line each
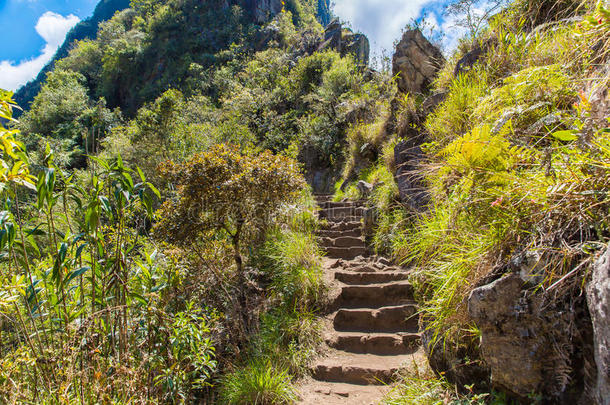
<point>139,298</point>
<point>105,204</point>
<point>79,250</point>
<point>154,190</point>
<point>77,273</point>
<point>565,136</point>
<point>141,174</point>
<point>35,232</point>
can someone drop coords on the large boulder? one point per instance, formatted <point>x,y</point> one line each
<point>416,62</point>
<point>508,344</point>
<point>598,301</point>
<point>534,342</point>
<point>332,35</point>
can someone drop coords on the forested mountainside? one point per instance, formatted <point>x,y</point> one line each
<point>219,201</point>
<point>86,29</point>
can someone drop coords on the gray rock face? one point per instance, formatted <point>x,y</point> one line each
<point>263,37</point>
<point>332,35</point>
<point>346,42</point>
<point>407,156</point>
<point>512,357</point>
<point>264,10</point>
<point>357,45</point>
<point>417,63</point>
<point>467,61</point>
<point>505,344</point>
<point>598,301</point>
<point>364,188</point>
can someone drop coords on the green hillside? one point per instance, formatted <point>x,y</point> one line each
<point>221,202</point>
<point>86,29</point>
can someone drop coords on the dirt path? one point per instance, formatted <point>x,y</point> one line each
<point>371,329</point>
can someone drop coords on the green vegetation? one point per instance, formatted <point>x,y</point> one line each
<point>118,316</point>
<point>157,235</point>
<point>516,139</point>
<point>119,289</point>
<point>516,160</point>
<point>259,383</point>
<point>433,390</point>
<point>84,30</point>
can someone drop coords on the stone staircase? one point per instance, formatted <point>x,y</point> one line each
<point>372,330</point>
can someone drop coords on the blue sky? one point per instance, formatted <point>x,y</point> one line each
<point>33,30</point>
<point>36,28</point>
<point>383,20</point>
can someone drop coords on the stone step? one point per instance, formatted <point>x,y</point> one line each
<point>384,344</point>
<point>371,268</point>
<point>342,204</point>
<point>344,219</point>
<point>356,233</point>
<point>372,277</point>
<point>345,252</point>
<point>376,295</point>
<point>342,241</point>
<point>341,212</point>
<point>341,226</point>
<point>313,392</point>
<point>323,197</point>
<point>363,266</point>
<point>394,319</point>
<point>361,369</point>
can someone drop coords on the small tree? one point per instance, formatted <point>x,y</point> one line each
<point>473,14</point>
<point>226,190</point>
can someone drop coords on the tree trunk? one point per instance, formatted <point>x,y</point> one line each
<point>243,299</point>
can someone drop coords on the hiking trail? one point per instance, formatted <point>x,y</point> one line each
<point>371,327</point>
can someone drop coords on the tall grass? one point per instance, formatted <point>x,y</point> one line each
<point>290,331</point>
<point>259,383</point>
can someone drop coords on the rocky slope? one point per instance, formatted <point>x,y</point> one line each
<point>543,334</point>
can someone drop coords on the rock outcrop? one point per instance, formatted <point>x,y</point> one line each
<point>533,342</point>
<point>263,10</point>
<point>416,62</point>
<point>344,41</point>
<point>598,300</point>
<point>408,156</point>
<point>357,45</point>
<point>507,342</point>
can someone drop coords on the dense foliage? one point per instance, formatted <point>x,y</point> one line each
<point>183,95</point>
<point>85,29</point>
<point>517,165</point>
<point>157,238</point>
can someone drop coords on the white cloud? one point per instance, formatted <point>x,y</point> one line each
<point>381,20</point>
<point>52,28</point>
